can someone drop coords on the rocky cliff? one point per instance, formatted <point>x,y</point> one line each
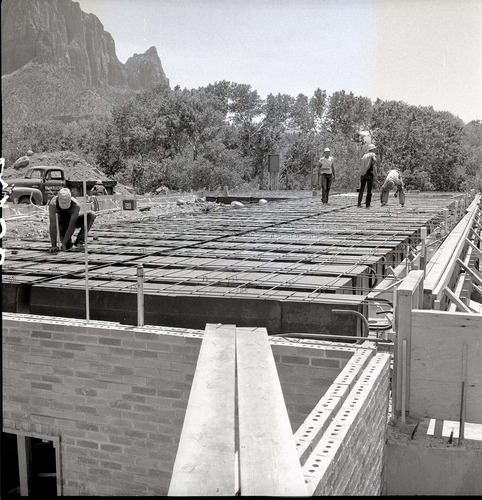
<point>58,32</point>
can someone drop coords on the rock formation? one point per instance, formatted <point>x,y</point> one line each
<point>58,32</point>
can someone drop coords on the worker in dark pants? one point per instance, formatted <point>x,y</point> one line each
<point>98,190</point>
<point>67,209</point>
<point>327,174</point>
<point>367,174</point>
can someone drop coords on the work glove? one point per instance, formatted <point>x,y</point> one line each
<point>54,249</point>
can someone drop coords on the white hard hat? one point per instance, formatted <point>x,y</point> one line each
<point>371,146</point>
<point>327,149</point>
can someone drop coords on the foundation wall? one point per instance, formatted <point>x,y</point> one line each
<point>116,396</point>
<point>433,470</point>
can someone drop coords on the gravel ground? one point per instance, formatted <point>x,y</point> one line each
<point>36,225</point>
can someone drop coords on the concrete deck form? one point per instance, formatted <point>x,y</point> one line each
<point>283,265</point>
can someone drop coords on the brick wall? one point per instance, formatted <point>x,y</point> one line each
<point>116,395</point>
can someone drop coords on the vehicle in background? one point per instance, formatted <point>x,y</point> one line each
<point>41,183</point>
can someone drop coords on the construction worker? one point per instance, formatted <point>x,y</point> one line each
<point>393,180</point>
<point>66,209</point>
<point>367,174</point>
<point>327,174</point>
<point>98,190</point>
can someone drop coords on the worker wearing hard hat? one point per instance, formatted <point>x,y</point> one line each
<point>393,180</point>
<point>326,170</point>
<point>367,173</point>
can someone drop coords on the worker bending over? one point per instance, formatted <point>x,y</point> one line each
<point>393,180</point>
<point>67,208</point>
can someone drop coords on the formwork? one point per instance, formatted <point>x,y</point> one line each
<point>284,265</point>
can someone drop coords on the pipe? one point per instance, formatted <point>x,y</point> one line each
<point>140,295</point>
<point>356,313</point>
<point>318,336</point>
<point>87,301</point>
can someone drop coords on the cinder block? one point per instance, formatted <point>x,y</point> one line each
<point>331,363</point>
<point>309,433</point>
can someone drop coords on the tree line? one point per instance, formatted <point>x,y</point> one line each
<point>221,135</point>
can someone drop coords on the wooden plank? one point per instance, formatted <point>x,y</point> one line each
<point>436,365</point>
<point>472,273</point>
<point>269,463</point>
<point>451,295</point>
<point>457,291</point>
<point>444,259</point>
<point>205,460</point>
<point>475,249</point>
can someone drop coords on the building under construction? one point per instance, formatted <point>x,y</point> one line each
<point>286,348</point>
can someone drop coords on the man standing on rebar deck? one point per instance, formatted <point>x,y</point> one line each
<point>367,174</point>
<point>327,174</point>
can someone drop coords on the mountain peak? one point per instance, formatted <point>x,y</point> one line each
<point>58,32</point>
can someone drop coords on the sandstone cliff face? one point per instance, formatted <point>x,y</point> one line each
<point>59,32</point>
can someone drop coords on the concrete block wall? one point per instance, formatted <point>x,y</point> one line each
<point>306,371</point>
<point>350,457</point>
<point>116,395</point>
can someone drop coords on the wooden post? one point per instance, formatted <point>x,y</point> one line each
<point>408,297</point>
<point>24,451</point>
<point>446,220</point>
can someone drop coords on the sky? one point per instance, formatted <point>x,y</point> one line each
<point>422,52</point>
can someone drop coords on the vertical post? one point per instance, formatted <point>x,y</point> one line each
<point>464,392</point>
<point>140,295</point>
<point>404,378</point>
<point>407,253</point>
<point>86,257</point>
<point>24,465</point>
<point>423,250</point>
<point>408,296</point>
<point>446,221</point>
<point>59,242</point>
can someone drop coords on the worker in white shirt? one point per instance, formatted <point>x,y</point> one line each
<point>327,174</point>
<point>393,181</point>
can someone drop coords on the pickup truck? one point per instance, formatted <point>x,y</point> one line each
<point>41,183</point>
